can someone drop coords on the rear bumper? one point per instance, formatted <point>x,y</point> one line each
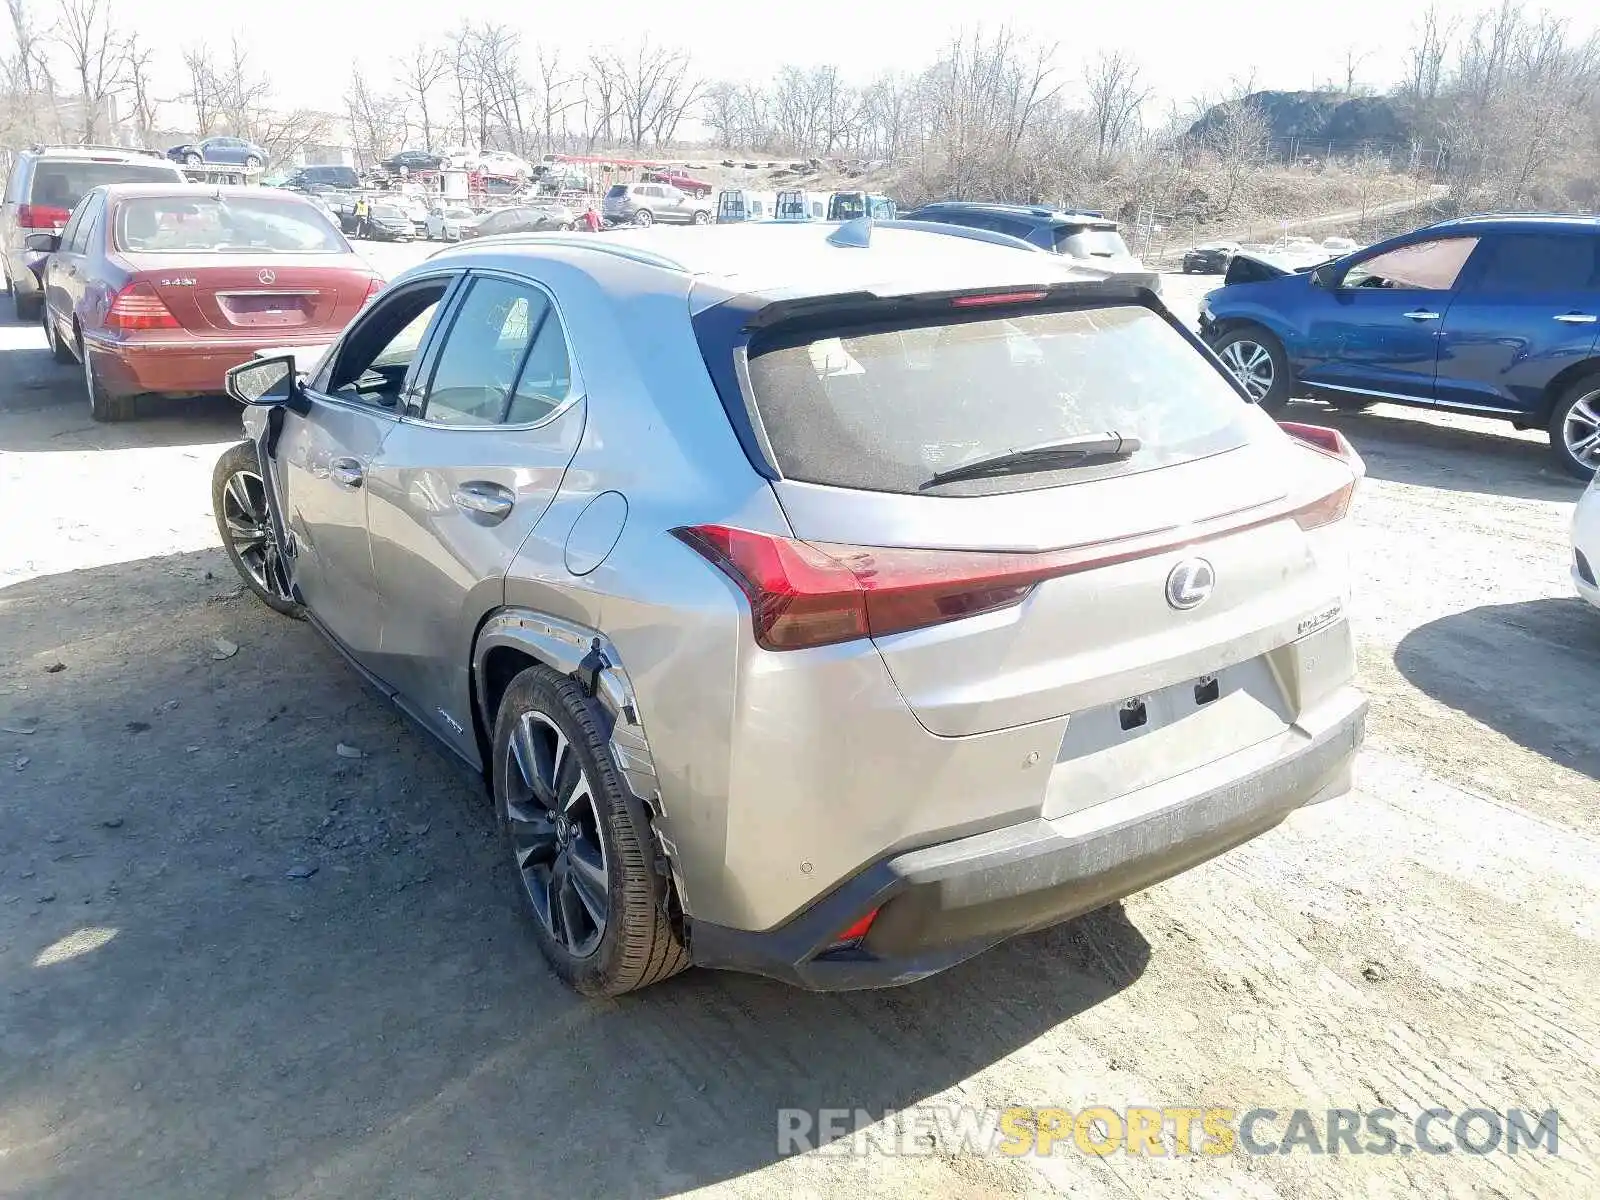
<point>190,365</point>
<point>943,904</point>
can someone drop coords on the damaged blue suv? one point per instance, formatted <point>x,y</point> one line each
<point>1494,316</point>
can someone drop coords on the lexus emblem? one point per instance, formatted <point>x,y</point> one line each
<point>1189,583</point>
<point>267,275</point>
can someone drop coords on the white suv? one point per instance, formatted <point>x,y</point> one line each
<point>45,185</point>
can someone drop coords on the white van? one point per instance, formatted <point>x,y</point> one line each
<point>742,204</point>
<point>801,206</point>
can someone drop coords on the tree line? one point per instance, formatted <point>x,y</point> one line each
<point>997,114</point>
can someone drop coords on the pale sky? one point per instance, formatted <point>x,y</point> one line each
<point>1185,48</point>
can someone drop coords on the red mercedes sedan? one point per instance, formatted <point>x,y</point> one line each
<point>157,289</point>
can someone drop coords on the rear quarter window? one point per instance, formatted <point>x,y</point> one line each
<point>886,410</point>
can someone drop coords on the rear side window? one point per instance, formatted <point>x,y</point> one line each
<point>61,183</point>
<point>886,410</point>
<point>1539,262</point>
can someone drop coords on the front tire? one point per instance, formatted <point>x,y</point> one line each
<point>27,304</point>
<point>1256,359</point>
<point>239,505</point>
<point>701,217</point>
<point>1575,428</point>
<point>103,406</point>
<point>580,842</point>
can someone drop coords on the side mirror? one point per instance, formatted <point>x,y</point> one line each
<point>264,382</point>
<point>44,243</point>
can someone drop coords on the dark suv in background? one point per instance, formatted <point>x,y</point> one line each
<point>1088,237</point>
<point>1496,316</point>
<point>45,185</point>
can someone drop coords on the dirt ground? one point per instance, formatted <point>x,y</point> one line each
<point>234,962</point>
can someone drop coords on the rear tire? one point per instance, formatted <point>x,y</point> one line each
<point>1575,428</point>
<point>701,217</point>
<point>59,350</point>
<point>1256,359</point>
<point>643,218</point>
<point>103,406</point>
<point>1350,405</point>
<point>192,159</point>
<point>581,845</point>
<point>239,505</point>
<point>252,163</point>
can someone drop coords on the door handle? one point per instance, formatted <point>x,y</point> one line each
<point>485,501</point>
<point>346,472</point>
<point>1422,314</point>
<point>1577,318</point>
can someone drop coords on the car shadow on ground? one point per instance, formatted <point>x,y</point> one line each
<point>1476,662</point>
<point>47,409</point>
<point>238,960</point>
<point>1488,458</point>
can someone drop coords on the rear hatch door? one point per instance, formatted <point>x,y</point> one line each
<point>861,421</point>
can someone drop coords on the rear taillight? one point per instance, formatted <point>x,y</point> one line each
<point>373,289</point>
<point>137,307</point>
<point>41,216</point>
<point>807,594</point>
<point>1326,509</point>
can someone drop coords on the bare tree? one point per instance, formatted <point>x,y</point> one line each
<point>203,94</point>
<point>98,56</point>
<point>1354,59</point>
<point>655,87</point>
<point>377,121</point>
<point>29,110</point>
<point>559,92</point>
<point>1116,95</point>
<point>145,103</point>
<point>421,72</point>
<point>1238,137</point>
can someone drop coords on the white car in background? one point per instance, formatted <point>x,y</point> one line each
<point>504,163</point>
<point>1586,545</point>
<point>1339,245</point>
<point>445,224</point>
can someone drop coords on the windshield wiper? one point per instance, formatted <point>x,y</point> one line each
<point>1046,456</point>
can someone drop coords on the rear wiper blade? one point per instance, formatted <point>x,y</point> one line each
<point>1046,456</point>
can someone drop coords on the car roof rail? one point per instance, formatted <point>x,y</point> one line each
<point>40,147</point>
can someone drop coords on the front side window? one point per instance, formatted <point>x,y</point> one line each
<point>483,350</point>
<point>889,409</point>
<point>1431,266</point>
<point>375,358</point>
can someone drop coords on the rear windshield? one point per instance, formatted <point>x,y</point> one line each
<point>886,410</point>
<point>181,225</point>
<point>617,190</point>
<point>61,183</point>
<point>1087,241</point>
